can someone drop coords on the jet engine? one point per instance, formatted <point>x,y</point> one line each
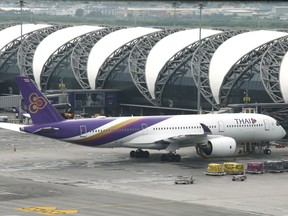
<point>217,147</point>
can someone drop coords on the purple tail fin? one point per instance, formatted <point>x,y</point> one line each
<point>39,108</point>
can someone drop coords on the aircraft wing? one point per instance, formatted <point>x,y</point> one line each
<point>186,138</point>
<point>11,126</point>
<point>181,140</point>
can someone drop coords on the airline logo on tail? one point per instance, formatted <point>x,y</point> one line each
<point>36,103</point>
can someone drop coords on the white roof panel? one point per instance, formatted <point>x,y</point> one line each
<point>283,77</point>
<point>52,42</point>
<point>166,48</point>
<point>109,44</point>
<point>7,35</point>
<point>231,51</point>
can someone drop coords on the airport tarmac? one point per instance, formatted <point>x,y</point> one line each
<point>40,176</point>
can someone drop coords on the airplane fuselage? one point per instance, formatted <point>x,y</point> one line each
<point>157,132</point>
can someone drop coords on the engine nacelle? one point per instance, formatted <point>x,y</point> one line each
<point>217,147</point>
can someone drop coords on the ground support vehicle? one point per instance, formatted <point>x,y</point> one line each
<point>239,177</point>
<point>285,165</point>
<point>274,166</point>
<point>214,169</point>
<point>184,180</point>
<point>3,118</point>
<point>255,168</point>
<point>232,168</point>
<point>279,145</point>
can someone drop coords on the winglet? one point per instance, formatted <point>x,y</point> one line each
<point>40,109</point>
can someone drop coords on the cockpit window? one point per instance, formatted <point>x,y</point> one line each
<point>277,123</point>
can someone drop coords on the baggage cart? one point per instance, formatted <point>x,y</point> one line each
<point>232,168</point>
<point>214,169</point>
<point>274,166</point>
<point>285,165</point>
<point>255,168</point>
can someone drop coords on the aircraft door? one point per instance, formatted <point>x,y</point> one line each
<point>221,126</point>
<point>83,130</point>
<point>267,125</point>
<point>144,128</point>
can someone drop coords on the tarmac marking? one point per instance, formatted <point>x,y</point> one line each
<point>125,205</point>
<point>51,210</point>
<point>3,192</point>
<point>47,210</point>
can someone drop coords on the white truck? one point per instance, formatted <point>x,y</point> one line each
<point>3,118</point>
<point>184,180</point>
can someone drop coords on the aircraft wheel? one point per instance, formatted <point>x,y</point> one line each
<point>132,154</point>
<point>139,154</point>
<point>267,151</point>
<point>177,158</point>
<point>164,157</point>
<point>170,157</point>
<point>146,154</point>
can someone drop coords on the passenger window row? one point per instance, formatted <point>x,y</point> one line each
<point>245,125</point>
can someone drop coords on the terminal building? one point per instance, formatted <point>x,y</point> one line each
<point>116,70</point>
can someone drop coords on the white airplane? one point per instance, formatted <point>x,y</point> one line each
<point>213,135</point>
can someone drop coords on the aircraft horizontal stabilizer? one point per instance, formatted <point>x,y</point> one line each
<point>12,127</point>
<point>46,129</point>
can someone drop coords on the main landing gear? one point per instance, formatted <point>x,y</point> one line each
<point>139,153</point>
<point>170,157</point>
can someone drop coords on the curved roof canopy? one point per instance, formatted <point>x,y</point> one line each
<point>52,42</point>
<point>229,53</point>
<point>283,77</point>
<point>166,48</point>
<point>109,44</point>
<point>12,33</point>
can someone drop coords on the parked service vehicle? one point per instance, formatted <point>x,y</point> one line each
<point>3,118</point>
<point>239,177</point>
<point>184,180</point>
<point>255,167</point>
<point>279,145</point>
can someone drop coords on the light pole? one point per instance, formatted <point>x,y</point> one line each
<point>21,4</point>
<point>199,109</point>
<point>175,5</point>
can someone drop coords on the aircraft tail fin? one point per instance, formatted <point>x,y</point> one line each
<point>39,108</point>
